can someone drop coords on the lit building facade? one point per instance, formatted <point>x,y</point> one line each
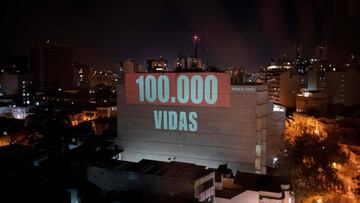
<point>235,133</point>
<point>275,133</point>
<point>284,84</point>
<point>283,81</point>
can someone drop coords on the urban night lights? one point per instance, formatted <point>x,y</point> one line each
<point>180,101</point>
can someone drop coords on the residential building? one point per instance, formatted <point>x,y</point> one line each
<point>253,188</point>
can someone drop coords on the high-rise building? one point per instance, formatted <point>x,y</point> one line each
<point>53,66</point>
<point>316,74</point>
<point>342,86</point>
<point>337,80</point>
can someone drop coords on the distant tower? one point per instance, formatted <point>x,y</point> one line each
<point>207,45</point>
<point>196,40</point>
<point>322,51</point>
<point>298,51</point>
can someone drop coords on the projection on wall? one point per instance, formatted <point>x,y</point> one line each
<point>206,90</point>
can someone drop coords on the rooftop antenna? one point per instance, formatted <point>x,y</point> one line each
<point>196,40</point>
<point>297,50</point>
<point>207,45</point>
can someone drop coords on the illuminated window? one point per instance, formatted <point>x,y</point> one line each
<point>278,108</point>
<point>258,150</point>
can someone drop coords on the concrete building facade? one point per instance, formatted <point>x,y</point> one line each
<point>236,135</point>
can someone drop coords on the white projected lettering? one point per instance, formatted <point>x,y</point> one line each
<point>172,120</point>
<point>150,88</point>
<point>170,90</point>
<point>163,84</point>
<point>183,89</point>
<point>211,97</point>
<point>195,89</point>
<point>140,82</point>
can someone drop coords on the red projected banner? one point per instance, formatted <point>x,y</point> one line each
<point>180,89</point>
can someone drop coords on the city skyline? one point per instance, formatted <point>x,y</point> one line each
<point>180,101</point>
<point>247,34</point>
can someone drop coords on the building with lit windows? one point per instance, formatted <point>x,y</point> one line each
<point>186,63</point>
<point>18,88</point>
<point>238,75</point>
<point>283,81</point>
<point>100,77</point>
<point>342,86</point>
<point>156,64</point>
<point>337,80</point>
<point>82,75</point>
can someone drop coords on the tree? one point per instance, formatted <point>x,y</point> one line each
<point>357,189</point>
<point>309,161</point>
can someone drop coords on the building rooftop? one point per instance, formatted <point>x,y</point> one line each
<point>253,182</point>
<point>176,170</point>
<point>260,182</point>
<point>136,196</point>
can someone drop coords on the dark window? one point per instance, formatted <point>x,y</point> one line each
<point>208,184</point>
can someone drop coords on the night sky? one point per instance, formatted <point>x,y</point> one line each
<point>246,33</point>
